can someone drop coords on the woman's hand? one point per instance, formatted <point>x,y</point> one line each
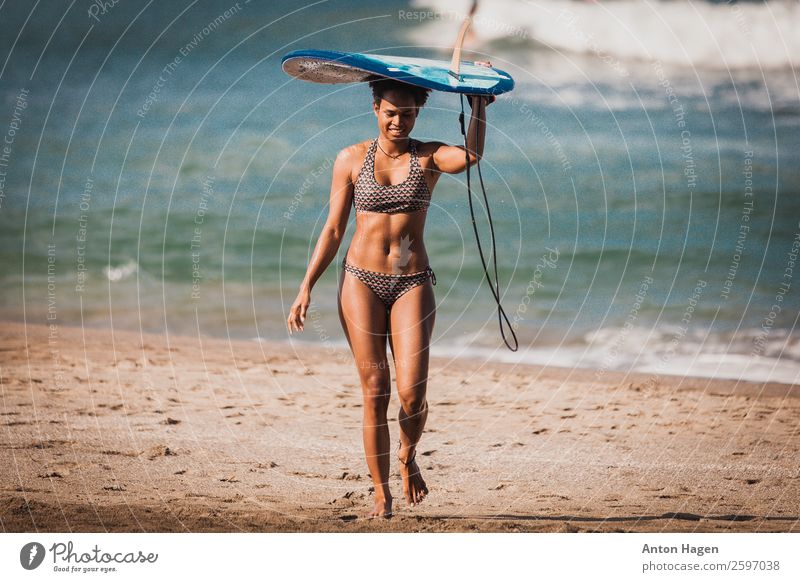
<point>297,313</point>
<point>487,99</point>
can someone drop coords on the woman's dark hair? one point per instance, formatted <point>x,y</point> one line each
<point>382,85</point>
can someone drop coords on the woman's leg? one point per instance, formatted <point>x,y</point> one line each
<point>365,322</point>
<point>410,330</point>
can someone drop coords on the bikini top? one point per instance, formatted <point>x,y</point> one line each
<point>410,195</point>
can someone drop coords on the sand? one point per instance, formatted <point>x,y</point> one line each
<point>121,431</point>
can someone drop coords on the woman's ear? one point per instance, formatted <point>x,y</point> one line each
<point>375,108</point>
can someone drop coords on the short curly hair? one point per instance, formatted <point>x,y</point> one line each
<point>382,85</point>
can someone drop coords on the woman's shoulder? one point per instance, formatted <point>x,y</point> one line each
<point>354,153</point>
<point>352,157</point>
<point>428,148</point>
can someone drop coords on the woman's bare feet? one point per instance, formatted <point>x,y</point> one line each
<point>382,508</point>
<point>414,488</point>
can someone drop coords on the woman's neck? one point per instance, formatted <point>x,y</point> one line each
<point>394,147</point>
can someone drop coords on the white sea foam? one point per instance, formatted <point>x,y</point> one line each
<point>701,354</point>
<point>703,364</point>
<point>697,34</point>
<point>121,272</point>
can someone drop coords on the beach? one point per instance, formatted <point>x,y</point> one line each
<point>130,432</point>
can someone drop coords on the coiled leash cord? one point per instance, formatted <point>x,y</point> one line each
<point>501,314</point>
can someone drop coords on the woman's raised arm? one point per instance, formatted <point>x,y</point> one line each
<point>453,159</point>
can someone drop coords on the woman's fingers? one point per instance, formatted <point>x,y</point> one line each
<point>294,321</point>
<point>297,317</point>
<point>487,98</point>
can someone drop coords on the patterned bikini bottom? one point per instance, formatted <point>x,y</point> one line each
<point>390,287</point>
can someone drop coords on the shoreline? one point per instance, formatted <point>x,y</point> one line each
<point>202,434</point>
<point>713,365</point>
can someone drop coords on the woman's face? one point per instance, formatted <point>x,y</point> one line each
<point>396,115</point>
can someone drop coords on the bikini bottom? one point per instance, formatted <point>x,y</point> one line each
<point>390,287</point>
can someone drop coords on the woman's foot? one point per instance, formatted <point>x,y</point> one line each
<point>382,508</point>
<point>414,488</point>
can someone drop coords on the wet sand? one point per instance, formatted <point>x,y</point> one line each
<point>129,432</point>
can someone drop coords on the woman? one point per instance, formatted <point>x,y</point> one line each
<point>386,291</point>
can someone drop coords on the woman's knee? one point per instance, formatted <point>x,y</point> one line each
<point>376,389</point>
<point>413,400</point>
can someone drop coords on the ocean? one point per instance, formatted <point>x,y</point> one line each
<point>159,172</point>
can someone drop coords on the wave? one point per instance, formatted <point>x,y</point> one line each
<point>695,34</point>
<point>120,272</point>
<point>746,354</point>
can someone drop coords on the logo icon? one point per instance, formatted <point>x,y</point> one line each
<point>31,555</point>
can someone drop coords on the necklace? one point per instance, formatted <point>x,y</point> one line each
<point>377,141</point>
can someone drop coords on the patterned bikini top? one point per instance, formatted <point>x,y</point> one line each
<point>408,196</point>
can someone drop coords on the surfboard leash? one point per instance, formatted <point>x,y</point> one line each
<point>495,288</point>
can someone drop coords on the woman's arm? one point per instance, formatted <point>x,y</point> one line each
<point>329,239</point>
<point>453,159</point>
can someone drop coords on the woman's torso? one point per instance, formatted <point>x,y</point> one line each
<point>391,207</point>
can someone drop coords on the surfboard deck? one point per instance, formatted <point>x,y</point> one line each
<point>320,66</point>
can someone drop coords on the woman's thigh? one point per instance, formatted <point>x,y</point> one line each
<point>410,331</point>
<point>365,323</point>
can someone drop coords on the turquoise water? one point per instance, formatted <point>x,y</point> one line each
<point>191,204</point>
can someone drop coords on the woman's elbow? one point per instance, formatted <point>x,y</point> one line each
<point>335,232</point>
<point>473,159</point>
<point>469,160</point>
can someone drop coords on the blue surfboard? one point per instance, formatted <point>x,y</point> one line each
<point>321,66</point>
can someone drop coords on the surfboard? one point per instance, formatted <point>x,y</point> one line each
<point>321,66</point>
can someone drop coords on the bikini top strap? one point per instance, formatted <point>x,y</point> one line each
<point>373,154</point>
<point>414,154</point>
<point>366,165</point>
